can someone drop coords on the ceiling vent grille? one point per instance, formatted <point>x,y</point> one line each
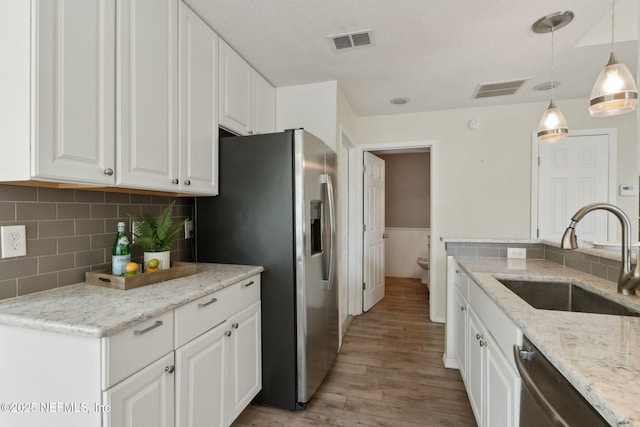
<point>488,90</point>
<point>348,41</point>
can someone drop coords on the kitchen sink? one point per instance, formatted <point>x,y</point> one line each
<point>564,296</point>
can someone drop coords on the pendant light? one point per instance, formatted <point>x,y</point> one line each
<point>614,92</point>
<point>552,126</point>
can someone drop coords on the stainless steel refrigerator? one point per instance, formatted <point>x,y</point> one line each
<point>276,208</point>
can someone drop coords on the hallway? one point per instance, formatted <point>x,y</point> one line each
<point>388,372</point>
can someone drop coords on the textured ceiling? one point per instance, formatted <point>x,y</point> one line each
<point>435,52</point>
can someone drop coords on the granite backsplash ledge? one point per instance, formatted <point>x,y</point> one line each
<point>70,232</point>
<point>599,263</point>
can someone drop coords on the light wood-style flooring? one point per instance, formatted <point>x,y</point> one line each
<point>388,372</point>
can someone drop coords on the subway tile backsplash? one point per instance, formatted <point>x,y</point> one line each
<point>70,232</point>
<point>602,267</point>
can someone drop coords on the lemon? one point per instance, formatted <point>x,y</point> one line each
<point>153,263</point>
<point>151,270</point>
<point>131,267</point>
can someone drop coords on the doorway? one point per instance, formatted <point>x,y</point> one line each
<point>569,175</point>
<point>356,221</point>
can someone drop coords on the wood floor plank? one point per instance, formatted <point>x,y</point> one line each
<point>388,373</point>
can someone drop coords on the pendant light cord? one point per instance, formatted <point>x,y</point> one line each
<point>612,22</point>
<point>552,61</point>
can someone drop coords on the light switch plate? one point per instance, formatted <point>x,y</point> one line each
<point>13,240</point>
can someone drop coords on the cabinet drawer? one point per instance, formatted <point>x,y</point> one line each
<point>197,317</point>
<point>134,348</point>
<point>249,292</point>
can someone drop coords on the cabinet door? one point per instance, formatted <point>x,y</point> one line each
<point>146,399</point>
<point>235,91</point>
<point>200,385</point>
<point>475,364</point>
<point>502,390</point>
<point>73,104</point>
<point>198,58</point>
<point>245,362</point>
<point>460,331</point>
<point>147,102</point>
<point>264,105</point>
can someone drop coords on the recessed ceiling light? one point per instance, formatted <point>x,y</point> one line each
<point>546,86</point>
<point>399,101</point>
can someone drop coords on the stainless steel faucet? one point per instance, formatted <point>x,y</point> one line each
<point>628,280</point>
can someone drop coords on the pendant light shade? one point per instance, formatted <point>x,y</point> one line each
<point>552,126</point>
<point>614,92</point>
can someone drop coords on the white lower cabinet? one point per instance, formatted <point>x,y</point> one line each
<point>475,377</point>
<point>245,359</point>
<point>200,386</point>
<point>145,399</point>
<point>479,341</point>
<point>219,373</point>
<point>196,365</point>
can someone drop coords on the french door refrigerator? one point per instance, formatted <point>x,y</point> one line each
<point>276,208</point>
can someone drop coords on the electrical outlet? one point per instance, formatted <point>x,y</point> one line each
<point>516,253</point>
<point>13,240</point>
<point>188,229</point>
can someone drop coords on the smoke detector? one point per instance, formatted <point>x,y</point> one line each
<point>353,40</point>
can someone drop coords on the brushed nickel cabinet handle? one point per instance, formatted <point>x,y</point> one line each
<point>246,285</point>
<point>108,171</point>
<point>204,304</point>
<point>462,308</point>
<point>145,330</point>
<point>187,182</point>
<point>227,333</point>
<point>234,326</point>
<point>175,181</point>
<point>170,369</point>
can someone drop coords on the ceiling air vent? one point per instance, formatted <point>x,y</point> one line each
<point>488,90</point>
<point>357,39</point>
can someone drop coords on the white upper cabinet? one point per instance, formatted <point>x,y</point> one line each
<point>264,111</point>
<point>57,88</point>
<point>198,113</point>
<point>235,91</point>
<point>247,100</point>
<point>147,101</point>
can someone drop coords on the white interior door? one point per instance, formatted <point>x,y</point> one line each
<point>373,260</point>
<point>572,174</point>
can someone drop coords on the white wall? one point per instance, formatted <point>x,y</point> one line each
<point>402,248</point>
<point>483,176</point>
<point>312,107</point>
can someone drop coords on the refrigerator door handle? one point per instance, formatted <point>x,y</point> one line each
<point>326,178</point>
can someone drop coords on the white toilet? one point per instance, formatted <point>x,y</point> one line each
<point>423,262</point>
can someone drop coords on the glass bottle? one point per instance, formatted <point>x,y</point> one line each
<point>121,254</point>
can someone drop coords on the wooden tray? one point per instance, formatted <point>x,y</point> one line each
<point>102,278</point>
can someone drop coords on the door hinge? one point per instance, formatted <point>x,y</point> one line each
<point>537,233</point>
<point>364,168</point>
<point>364,227</point>
<point>539,161</point>
<point>364,286</point>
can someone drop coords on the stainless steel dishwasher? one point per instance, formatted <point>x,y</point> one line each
<point>547,398</point>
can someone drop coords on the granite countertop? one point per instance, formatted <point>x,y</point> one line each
<point>96,311</point>
<point>599,354</point>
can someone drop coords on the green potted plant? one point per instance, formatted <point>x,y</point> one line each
<point>156,235</point>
